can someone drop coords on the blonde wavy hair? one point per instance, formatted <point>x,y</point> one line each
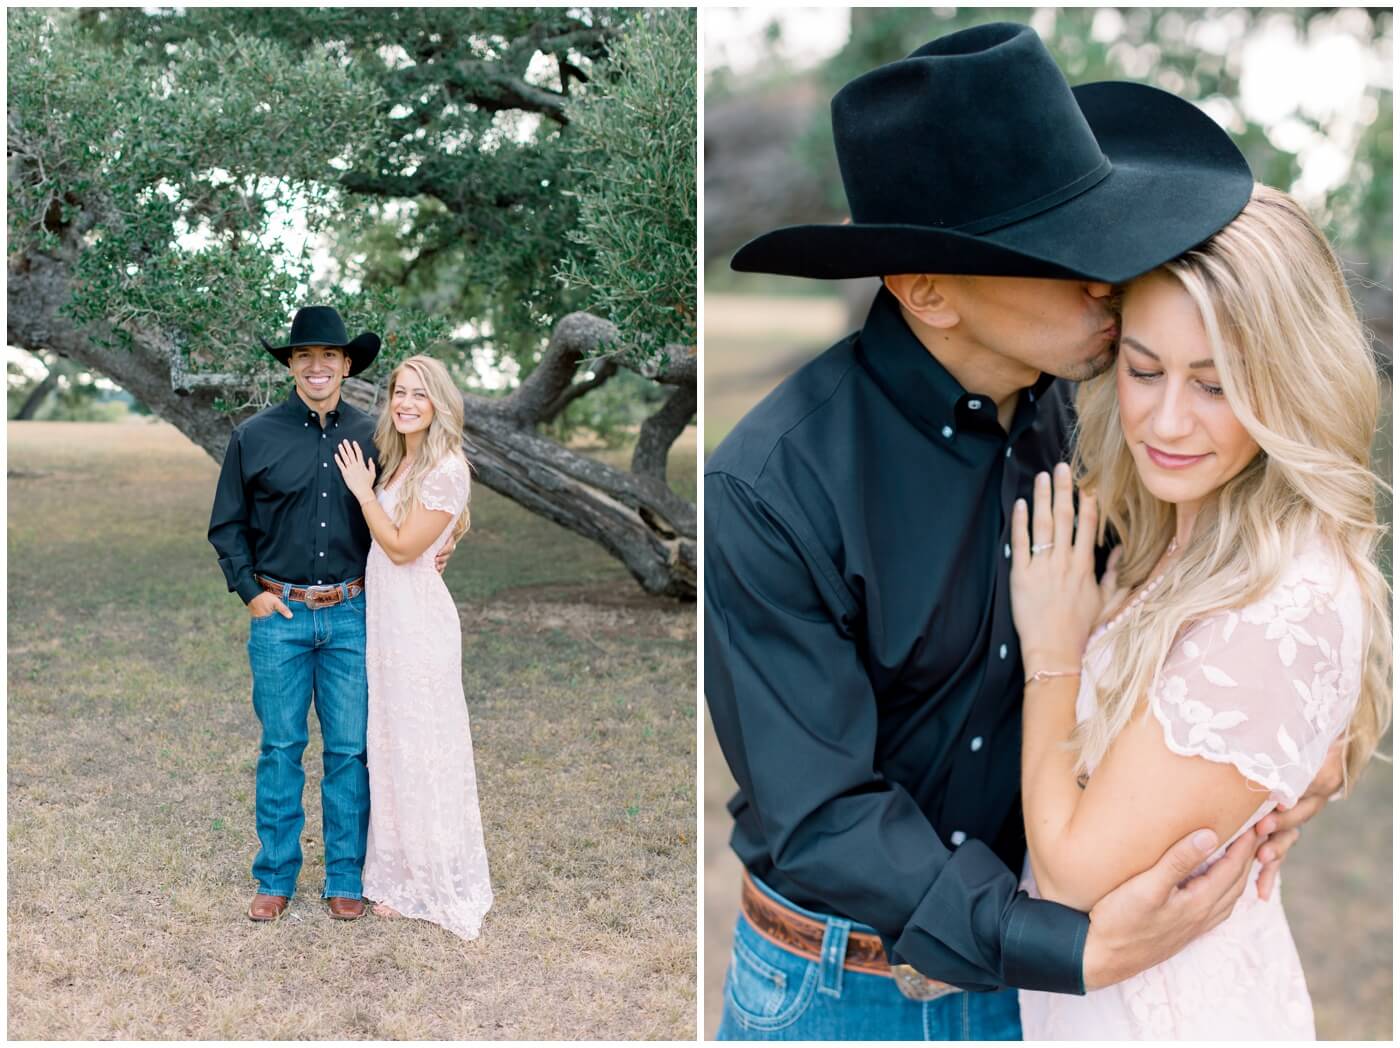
<point>1282,328</point>
<point>443,439</point>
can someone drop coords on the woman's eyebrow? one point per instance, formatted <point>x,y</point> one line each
<point>1128,340</point>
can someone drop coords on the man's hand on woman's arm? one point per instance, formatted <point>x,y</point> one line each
<point>443,555</point>
<point>1152,916</point>
<point>1278,831</point>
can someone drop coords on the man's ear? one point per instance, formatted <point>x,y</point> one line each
<point>922,295</point>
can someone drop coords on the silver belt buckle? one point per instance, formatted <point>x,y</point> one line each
<point>318,597</point>
<point>916,986</point>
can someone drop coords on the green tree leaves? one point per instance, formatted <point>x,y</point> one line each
<point>635,144</point>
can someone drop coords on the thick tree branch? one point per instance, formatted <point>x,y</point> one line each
<point>456,196</point>
<point>660,431</point>
<point>575,336</point>
<point>604,371</point>
<point>591,42</point>
<point>487,87</point>
<point>39,286</point>
<point>682,368</point>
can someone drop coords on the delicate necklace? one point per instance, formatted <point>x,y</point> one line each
<point>402,471</point>
<point>1146,591</point>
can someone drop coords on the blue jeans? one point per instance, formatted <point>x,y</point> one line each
<point>771,994</point>
<point>316,653</point>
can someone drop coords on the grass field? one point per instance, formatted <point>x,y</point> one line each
<point>131,750</point>
<point>1337,880</point>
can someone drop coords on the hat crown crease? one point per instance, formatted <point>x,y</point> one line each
<point>909,155</point>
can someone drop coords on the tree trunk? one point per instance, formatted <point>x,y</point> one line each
<point>636,518</point>
<point>37,396</point>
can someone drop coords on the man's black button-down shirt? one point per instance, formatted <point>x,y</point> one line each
<point>861,667</point>
<point>281,507</point>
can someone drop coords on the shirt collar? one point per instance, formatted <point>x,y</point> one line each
<point>299,409</point>
<point>920,386</point>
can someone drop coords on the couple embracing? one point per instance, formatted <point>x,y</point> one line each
<point>1041,612</point>
<point>333,527</point>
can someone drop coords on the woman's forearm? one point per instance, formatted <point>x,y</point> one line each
<point>1050,791</point>
<point>406,542</point>
<point>382,528</point>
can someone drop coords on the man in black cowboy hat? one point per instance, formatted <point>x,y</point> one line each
<point>861,668</point>
<point>292,542</point>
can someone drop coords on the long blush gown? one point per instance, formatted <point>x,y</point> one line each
<point>426,856</point>
<point>1266,688</point>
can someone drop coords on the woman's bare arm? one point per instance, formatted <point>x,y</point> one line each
<point>1141,799</point>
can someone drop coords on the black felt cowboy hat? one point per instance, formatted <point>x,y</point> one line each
<point>322,326</point>
<point>974,156</point>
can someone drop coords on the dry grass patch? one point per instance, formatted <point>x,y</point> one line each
<point>131,751</point>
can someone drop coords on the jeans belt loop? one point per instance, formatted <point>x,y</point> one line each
<point>833,962</point>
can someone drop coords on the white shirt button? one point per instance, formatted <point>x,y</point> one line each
<point>323,494</point>
<point>1008,452</point>
<point>323,523</point>
<point>322,555</point>
<point>947,431</point>
<point>976,744</point>
<point>957,837</point>
<point>318,582</point>
<point>1006,552</point>
<point>1002,652</point>
<point>974,404</point>
<point>324,465</point>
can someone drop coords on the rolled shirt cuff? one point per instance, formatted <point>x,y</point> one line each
<point>1043,946</point>
<point>975,929</point>
<point>247,587</point>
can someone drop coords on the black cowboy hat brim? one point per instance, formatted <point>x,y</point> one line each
<point>362,349</point>
<point>1176,180</point>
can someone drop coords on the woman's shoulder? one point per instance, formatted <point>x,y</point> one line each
<point>446,484</point>
<point>1316,580</point>
<point>1268,685</point>
<point>453,464</point>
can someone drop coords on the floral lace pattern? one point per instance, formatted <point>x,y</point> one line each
<point>447,487</point>
<point>426,856</point>
<point>1266,688</point>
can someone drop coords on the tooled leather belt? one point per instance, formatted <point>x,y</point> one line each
<point>803,935</point>
<point>315,597</point>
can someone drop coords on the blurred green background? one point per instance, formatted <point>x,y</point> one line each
<point>1307,95</point>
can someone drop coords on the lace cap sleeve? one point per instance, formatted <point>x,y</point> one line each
<point>1267,687</point>
<point>447,486</point>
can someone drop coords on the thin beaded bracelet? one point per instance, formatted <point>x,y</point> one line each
<point>1047,674</point>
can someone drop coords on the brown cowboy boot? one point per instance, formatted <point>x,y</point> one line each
<point>346,909</point>
<point>267,907</point>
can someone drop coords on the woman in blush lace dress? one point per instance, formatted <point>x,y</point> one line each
<point>426,857</point>
<point>1229,448</point>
